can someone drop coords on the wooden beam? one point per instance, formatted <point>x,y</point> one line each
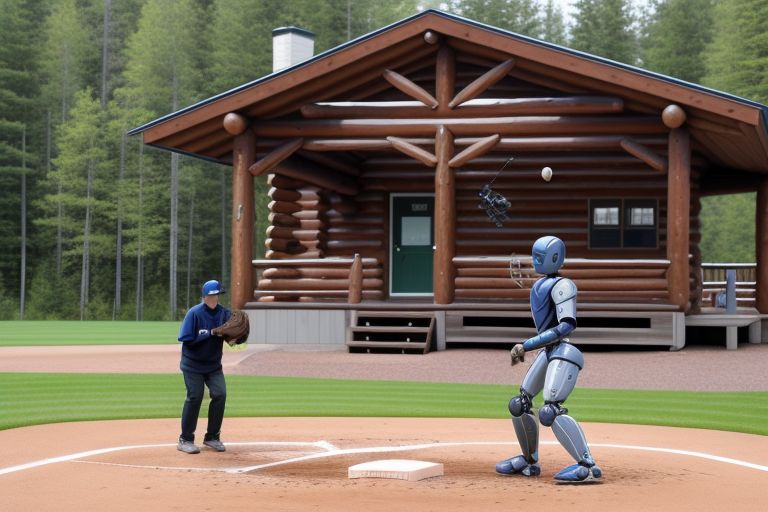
<point>335,162</point>
<point>641,152</point>
<point>761,247</point>
<point>409,88</point>
<point>477,149</point>
<point>678,217</point>
<point>309,172</point>
<point>243,156</point>
<point>356,281</point>
<point>485,107</point>
<point>413,151</point>
<point>276,156</point>
<point>445,77</point>
<point>234,123</point>
<point>481,126</point>
<point>431,37</point>
<point>347,144</point>
<point>445,219</point>
<point>480,85</point>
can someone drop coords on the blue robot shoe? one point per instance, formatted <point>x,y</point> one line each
<point>579,473</point>
<point>517,466</point>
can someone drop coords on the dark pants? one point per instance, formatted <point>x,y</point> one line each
<point>217,389</point>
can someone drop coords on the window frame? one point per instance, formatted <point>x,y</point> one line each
<point>624,228</point>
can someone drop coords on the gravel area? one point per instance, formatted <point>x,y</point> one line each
<point>695,368</point>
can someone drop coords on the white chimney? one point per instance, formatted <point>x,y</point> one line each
<point>291,45</point>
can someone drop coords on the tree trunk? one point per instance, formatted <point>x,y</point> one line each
<point>119,243</point>
<point>174,228</point>
<point>22,294</point>
<point>139,249</point>
<point>105,54</point>
<point>189,245</point>
<point>86,263</point>
<point>223,180</point>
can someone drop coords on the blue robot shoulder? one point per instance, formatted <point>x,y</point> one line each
<point>562,290</point>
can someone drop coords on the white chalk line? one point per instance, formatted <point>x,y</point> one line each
<point>331,451</point>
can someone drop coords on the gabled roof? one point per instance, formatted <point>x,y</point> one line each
<point>729,130</point>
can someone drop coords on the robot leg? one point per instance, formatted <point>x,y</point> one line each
<point>526,427</point>
<point>560,381</point>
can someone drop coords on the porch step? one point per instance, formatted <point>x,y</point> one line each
<point>391,331</point>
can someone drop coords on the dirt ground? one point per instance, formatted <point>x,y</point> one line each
<point>159,477</point>
<point>284,464</point>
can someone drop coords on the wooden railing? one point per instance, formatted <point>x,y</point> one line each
<point>511,277</point>
<point>318,279</point>
<point>714,275</point>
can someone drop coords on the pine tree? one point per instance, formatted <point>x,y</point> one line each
<point>677,34</point>
<point>604,28</point>
<point>520,16</point>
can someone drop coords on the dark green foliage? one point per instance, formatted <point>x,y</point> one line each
<point>676,37</point>
<point>728,228</point>
<point>604,28</point>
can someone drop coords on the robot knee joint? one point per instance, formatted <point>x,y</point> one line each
<point>549,412</point>
<point>519,405</point>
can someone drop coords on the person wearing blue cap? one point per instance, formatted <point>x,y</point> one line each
<point>201,351</point>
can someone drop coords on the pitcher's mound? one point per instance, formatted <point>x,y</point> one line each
<point>400,469</point>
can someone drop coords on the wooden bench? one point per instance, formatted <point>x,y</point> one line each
<point>731,324</point>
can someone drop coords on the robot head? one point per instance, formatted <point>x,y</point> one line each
<point>548,254</point>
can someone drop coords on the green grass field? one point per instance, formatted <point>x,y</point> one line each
<point>29,333</point>
<point>29,399</point>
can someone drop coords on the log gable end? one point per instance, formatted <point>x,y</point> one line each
<point>439,105</point>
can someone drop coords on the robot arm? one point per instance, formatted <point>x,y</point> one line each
<point>564,297</point>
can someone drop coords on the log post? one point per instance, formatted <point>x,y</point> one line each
<point>243,156</point>
<point>356,281</point>
<point>445,219</point>
<point>761,247</point>
<point>678,217</point>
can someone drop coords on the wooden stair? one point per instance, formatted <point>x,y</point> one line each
<point>391,331</point>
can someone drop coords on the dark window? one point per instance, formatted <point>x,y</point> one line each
<point>617,223</point>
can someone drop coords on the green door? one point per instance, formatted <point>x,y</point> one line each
<point>412,244</point>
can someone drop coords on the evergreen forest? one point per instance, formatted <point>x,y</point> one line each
<point>94,225</point>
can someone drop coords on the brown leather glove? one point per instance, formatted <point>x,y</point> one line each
<point>235,331</point>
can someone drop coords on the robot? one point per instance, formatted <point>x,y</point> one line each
<point>554,370</point>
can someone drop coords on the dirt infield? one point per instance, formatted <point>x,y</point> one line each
<point>646,468</point>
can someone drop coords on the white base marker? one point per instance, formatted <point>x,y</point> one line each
<point>399,469</point>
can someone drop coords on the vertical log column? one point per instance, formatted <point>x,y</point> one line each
<point>445,219</point>
<point>243,156</point>
<point>761,246</point>
<point>678,208</point>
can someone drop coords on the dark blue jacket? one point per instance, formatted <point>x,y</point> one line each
<point>201,352</point>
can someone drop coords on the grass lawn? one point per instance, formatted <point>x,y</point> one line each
<point>35,398</point>
<point>56,332</point>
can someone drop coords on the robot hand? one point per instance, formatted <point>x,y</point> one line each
<point>518,354</point>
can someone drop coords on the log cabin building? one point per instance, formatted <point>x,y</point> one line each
<point>376,152</point>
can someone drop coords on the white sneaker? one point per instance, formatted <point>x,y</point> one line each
<point>187,447</point>
<point>215,444</point>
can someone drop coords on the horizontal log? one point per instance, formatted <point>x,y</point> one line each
<point>315,284</point>
<point>354,244</point>
<point>292,232</point>
<point>284,207</point>
<point>315,262</point>
<point>280,255</point>
<point>596,273</point>
<point>503,261</point>
<point>592,296</point>
<point>284,219</point>
<point>286,183</point>
<point>302,169</point>
<point>317,273</point>
<point>367,294</point>
<point>482,126</point>
<point>473,108</point>
<point>279,194</point>
<point>287,245</point>
<point>607,284</point>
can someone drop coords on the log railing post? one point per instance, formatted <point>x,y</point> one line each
<point>761,247</point>
<point>356,281</point>
<point>243,156</point>
<point>678,217</point>
<point>445,219</point>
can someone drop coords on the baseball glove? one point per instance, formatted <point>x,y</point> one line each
<point>235,330</point>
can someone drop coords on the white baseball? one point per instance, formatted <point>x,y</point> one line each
<point>546,173</point>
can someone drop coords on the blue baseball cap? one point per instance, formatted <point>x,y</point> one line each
<point>212,287</point>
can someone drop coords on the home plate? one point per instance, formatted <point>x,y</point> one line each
<point>400,469</point>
